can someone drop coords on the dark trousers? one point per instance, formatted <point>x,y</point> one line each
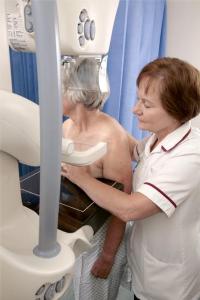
<point>135,298</point>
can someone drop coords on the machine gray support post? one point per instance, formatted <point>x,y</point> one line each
<point>48,69</point>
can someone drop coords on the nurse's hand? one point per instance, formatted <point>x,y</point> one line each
<point>73,173</point>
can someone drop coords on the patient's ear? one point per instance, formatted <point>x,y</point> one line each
<point>19,128</point>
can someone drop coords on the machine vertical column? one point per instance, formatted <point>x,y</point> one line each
<point>48,69</point>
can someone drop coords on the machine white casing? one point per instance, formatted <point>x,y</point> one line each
<point>102,12</point>
<point>21,272</point>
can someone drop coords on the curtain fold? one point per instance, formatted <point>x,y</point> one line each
<point>24,83</point>
<point>139,36</point>
<point>24,74</point>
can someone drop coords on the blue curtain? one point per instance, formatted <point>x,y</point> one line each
<point>138,37</point>
<point>24,83</point>
<point>24,74</point>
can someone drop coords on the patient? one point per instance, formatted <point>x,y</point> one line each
<point>87,124</point>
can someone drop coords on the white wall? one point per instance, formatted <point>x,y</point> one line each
<point>183,32</point>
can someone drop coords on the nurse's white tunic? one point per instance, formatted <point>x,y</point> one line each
<point>164,249</point>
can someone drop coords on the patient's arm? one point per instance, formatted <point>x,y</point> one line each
<point>132,143</point>
<point>117,167</point>
<point>114,235</point>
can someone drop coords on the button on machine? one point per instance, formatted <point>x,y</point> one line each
<point>85,28</point>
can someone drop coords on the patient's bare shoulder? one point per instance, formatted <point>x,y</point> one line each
<point>117,161</point>
<point>111,126</point>
<point>113,129</point>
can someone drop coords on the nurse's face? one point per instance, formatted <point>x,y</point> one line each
<point>150,112</point>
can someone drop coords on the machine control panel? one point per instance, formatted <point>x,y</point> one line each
<point>86,28</point>
<point>28,18</point>
<point>49,290</point>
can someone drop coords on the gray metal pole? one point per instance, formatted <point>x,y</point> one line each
<point>48,69</point>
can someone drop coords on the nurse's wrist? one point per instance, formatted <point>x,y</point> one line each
<point>84,181</point>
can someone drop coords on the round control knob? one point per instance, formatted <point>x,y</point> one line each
<point>40,290</point>
<point>81,40</point>
<point>27,10</point>
<point>60,285</point>
<point>29,26</point>
<point>87,30</point>
<point>80,28</point>
<point>83,15</point>
<point>92,30</point>
<point>50,292</point>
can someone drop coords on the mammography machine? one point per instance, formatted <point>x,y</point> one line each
<point>36,259</point>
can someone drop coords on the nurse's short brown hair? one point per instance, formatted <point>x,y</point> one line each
<point>179,85</point>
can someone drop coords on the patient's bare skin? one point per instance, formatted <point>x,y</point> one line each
<point>82,101</point>
<point>91,127</point>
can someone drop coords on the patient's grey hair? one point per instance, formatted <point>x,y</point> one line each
<point>80,83</point>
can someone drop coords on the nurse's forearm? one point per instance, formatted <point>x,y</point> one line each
<point>113,200</point>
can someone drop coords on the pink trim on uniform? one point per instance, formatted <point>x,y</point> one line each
<point>156,188</point>
<point>163,148</point>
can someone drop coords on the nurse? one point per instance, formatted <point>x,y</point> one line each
<point>164,245</point>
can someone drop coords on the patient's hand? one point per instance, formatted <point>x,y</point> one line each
<point>102,266</point>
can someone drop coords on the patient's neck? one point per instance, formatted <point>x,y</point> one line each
<point>84,118</point>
